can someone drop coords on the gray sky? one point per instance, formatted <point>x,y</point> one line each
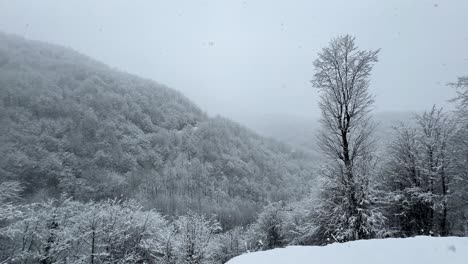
<point>243,57</point>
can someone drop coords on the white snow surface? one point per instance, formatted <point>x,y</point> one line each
<point>415,250</point>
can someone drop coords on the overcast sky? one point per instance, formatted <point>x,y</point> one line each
<point>243,57</point>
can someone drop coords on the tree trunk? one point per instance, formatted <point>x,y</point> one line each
<point>92,245</point>
<point>443,224</point>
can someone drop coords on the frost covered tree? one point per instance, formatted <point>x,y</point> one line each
<point>229,244</point>
<point>195,234</point>
<point>459,218</point>
<point>298,227</point>
<point>342,74</point>
<point>435,133</point>
<point>461,85</point>
<point>9,192</point>
<point>269,226</point>
<point>9,195</point>
<point>74,232</point>
<point>403,202</point>
<point>420,176</point>
<point>284,223</point>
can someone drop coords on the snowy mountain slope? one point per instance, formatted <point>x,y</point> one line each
<point>424,250</point>
<point>69,124</point>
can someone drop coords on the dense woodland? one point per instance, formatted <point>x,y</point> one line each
<point>99,166</point>
<point>73,126</point>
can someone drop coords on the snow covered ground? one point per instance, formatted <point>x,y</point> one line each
<point>424,250</point>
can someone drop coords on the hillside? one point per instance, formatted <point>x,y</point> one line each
<point>416,250</point>
<point>72,126</point>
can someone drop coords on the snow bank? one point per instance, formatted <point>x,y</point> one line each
<point>424,250</point>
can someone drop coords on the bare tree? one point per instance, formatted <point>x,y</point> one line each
<point>342,76</point>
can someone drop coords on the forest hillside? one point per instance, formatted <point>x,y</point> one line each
<point>75,127</point>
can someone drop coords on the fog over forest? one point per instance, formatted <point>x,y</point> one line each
<point>212,132</point>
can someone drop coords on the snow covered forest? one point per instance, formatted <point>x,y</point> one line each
<point>101,166</point>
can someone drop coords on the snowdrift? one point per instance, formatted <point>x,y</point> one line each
<point>424,250</point>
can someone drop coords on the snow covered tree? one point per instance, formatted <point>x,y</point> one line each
<point>194,238</point>
<point>9,192</point>
<point>298,227</point>
<point>73,232</point>
<point>121,231</point>
<point>435,132</point>
<point>462,93</point>
<point>406,203</point>
<point>459,217</point>
<point>229,244</point>
<point>269,226</point>
<point>420,175</point>
<point>342,74</point>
